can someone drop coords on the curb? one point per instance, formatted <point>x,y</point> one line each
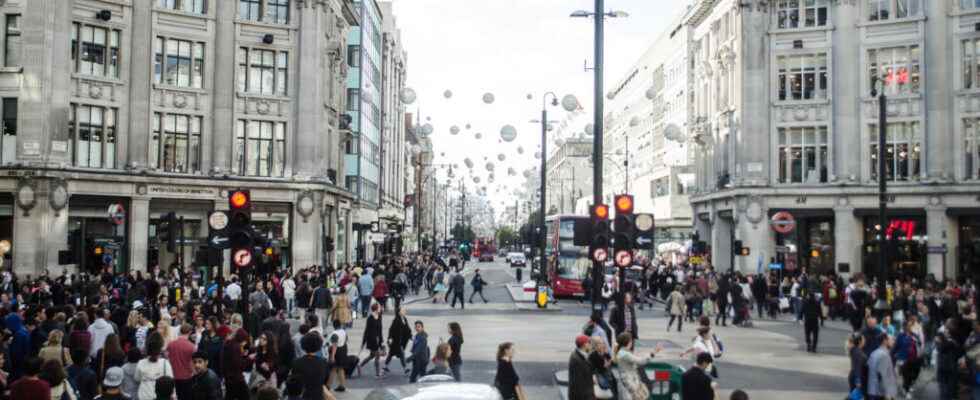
<point>532,307</point>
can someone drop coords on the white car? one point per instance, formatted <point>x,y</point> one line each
<point>512,254</point>
<point>518,260</point>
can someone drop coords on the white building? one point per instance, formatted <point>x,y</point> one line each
<point>640,159</point>
<point>785,121</point>
<point>569,176</point>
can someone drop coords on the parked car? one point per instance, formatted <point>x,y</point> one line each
<point>518,260</point>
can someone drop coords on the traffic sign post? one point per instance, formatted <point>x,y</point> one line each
<point>242,258</point>
<point>117,213</point>
<point>218,220</point>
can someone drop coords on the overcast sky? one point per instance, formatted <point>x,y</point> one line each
<point>512,48</point>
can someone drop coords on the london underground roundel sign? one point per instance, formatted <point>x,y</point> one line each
<point>783,222</point>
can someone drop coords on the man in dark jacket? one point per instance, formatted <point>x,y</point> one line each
<point>321,301</point>
<point>623,319</point>
<point>204,383</point>
<point>695,383</point>
<point>20,346</point>
<point>457,284</point>
<point>812,315</point>
<point>477,283</point>
<point>580,371</point>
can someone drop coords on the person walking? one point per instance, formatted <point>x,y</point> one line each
<point>477,283</point>
<point>289,293</point>
<point>111,386</point>
<point>456,345</point>
<point>696,384</point>
<point>337,355</point>
<point>882,382</point>
<point>629,365</point>
<point>365,287</point>
<point>399,334</point>
<point>580,372</point>
<point>458,287</point>
<point>153,367</point>
<point>812,313</point>
<point>312,371</point>
<point>602,364</point>
<point>321,302</point>
<point>676,307</point>
<point>204,384</point>
<point>722,299</point>
<point>234,363</point>
<point>855,350</point>
<point>373,339</point>
<point>623,319</point>
<point>420,352</point>
<point>506,381</point>
<point>179,354</point>
<point>341,310</point>
<point>907,358</point>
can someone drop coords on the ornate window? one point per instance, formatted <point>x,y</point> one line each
<point>792,14</point>
<point>191,6</point>
<point>969,4</point>
<point>897,68</point>
<point>260,148</point>
<point>12,43</point>
<point>176,143</point>
<point>178,63</point>
<point>883,10</point>
<point>92,131</point>
<point>971,148</point>
<point>971,63</point>
<point>803,155</point>
<point>270,11</point>
<point>902,151</point>
<point>95,50</point>
<point>263,71</point>
<point>802,77</point>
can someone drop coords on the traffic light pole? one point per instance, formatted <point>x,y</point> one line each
<point>600,9</point>
<point>882,191</point>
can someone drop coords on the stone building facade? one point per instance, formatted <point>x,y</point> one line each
<point>784,120</point>
<point>162,106</point>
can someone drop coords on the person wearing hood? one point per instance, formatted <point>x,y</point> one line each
<point>20,345</point>
<point>100,330</point>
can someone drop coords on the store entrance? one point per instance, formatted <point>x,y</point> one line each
<point>905,246</point>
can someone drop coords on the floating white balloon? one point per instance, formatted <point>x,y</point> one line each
<point>508,133</point>
<point>488,98</point>
<point>447,94</point>
<point>476,179</point>
<point>468,162</point>
<point>428,118</point>
<point>530,96</point>
<point>501,157</point>
<point>527,174</point>
<point>537,154</point>
<point>651,93</point>
<point>490,167</point>
<point>635,121</point>
<point>427,129</point>
<point>520,150</point>
<point>479,135</point>
<point>454,129</point>
<point>559,142</point>
<point>569,103</point>
<point>511,172</point>
<point>407,95</point>
<point>467,126</point>
<point>589,129</point>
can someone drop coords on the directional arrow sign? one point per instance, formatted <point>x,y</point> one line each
<point>642,241</point>
<point>219,242</point>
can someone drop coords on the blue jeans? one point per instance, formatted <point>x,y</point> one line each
<point>290,303</point>
<point>797,307</point>
<point>455,371</point>
<point>365,305</point>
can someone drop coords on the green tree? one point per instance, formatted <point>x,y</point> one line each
<point>463,233</point>
<point>506,237</point>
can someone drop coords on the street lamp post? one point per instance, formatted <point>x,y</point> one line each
<point>599,16</point>
<point>542,257</point>
<point>882,183</point>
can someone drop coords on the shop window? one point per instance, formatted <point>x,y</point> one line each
<point>969,4</point>
<point>902,151</point>
<point>802,77</point>
<point>92,131</point>
<point>263,71</point>
<point>971,139</point>
<point>12,43</point>
<point>8,136</point>
<point>792,14</point>
<point>803,155</point>
<point>95,50</point>
<point>260,148</point>
<point>176,143</point>
<point>178,62</point>
<point>971,63</point>
<point>191,6</point>
<point>897,68</point>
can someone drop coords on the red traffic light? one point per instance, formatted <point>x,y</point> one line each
<point>239,199</point>
<point>600,211</point>
<point>624,204</point>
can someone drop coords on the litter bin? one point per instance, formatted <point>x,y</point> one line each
<point>664,380</point>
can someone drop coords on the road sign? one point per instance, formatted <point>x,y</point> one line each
<point>624,258</point>
<point>783,222</point>
<point>219,242</point>
<point>117,213</point>
<point>775,266</point>
<point>106,259</point>
<point>242,257</point>
<point>600,255</point>
<point>643,241</point>
<point>218,220</point>
<point>782,249</point>
<point>936,249</point>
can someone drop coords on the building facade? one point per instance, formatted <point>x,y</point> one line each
<point>147,108</point>
<point>785,121</point>
<point>643,159</point>
<point>569,175</point>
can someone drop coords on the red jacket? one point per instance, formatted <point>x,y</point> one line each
<point>380,289</point>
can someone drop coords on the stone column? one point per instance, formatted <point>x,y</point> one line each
<point>847,239</point>
<point>751,130</point>
<point>846,102</point>
<point>305,239</point>
<point>938,226</point>
<point>938,130</point>
<point>310,128</point>
<point>43,101</point>
<point>138,226</point>
<point>223,122</point>
<point>759,239</point>
<point>141,79</point>
<point>721,244</point>
<point>38,235</point>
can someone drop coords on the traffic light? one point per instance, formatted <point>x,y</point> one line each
<point>601,233</point>
<point>739,250</point>
<point>240,232</point>
<point>328,244</point>
<point>625,227</point>
<point>167,231</point>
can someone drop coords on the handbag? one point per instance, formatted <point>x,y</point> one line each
<point>855,395</point>
<point>602,388</point>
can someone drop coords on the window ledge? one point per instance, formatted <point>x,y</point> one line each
<point>12,70</point>
<point>866,24</point>
<point>161,86</point>
<point>249,95</point>
<point>160,172</point>
<point>894,97</point>
<point>967,92</point>
<point>787,103</point>
<point>288,25</point>
<point>783,31</point>
<point>165,10</point>
<point>96,78</point>
<point>959,12</point>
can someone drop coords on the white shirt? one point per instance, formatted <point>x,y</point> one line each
<point>233,291</point>
<point>289,288</point>
<point>147,374</point>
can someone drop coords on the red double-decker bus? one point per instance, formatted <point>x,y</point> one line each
<point>568,264</point>
<point>483,249</point>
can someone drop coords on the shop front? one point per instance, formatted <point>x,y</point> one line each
<point>905,242</point>
<point>96,241</point>
<point>969,246</point>
<point>272,222</point>
<point>810,245</point>
<point>191,232</point>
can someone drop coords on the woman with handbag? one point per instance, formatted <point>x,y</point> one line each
<point>605,382</point>
<point>629,365</point>
<point>374,340</point>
